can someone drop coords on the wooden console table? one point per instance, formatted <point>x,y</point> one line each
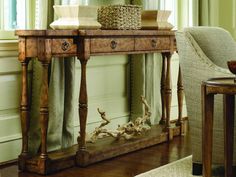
<point>45,44</point>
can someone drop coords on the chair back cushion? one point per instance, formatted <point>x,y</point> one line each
<point>217,43</point>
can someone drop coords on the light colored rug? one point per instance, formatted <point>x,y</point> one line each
<point>179,168</point>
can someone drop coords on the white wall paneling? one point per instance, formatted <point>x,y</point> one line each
<point>10,79</point>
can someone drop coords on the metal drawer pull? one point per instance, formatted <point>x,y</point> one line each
<point>154,42</point>
<point>65,45</point>
<point>113,44</point>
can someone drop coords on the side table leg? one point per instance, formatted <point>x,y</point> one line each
<point>207,131</point>
<point>83,105</point>
<point>44,110</point>
<point>24,114</point>
<point>228,133</point>
<point>163,79</point>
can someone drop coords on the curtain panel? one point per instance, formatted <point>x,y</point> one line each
<point>146,76</point>
<point>198,13</point>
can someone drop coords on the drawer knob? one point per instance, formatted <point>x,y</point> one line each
<point>154,42</point>
<point>65,45</point>
<point>113,44</point>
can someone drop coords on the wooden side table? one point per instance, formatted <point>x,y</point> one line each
<point>227,87</point>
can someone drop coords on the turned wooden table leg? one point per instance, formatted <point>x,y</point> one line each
<point>180,94</point>
<point>163,79</point>
<point>168,94</point>
<point>228,133</point>
<point>83,105</point>
<point>83,56</point>
<point>24,108</point>
<point>207,131</point>
<point>24,115</point>
<point>44,114</point>
<point>24,105</point>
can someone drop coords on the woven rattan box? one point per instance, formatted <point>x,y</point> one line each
<point>120,17</point>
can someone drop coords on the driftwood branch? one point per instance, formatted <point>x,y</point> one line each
<point>126,131</point>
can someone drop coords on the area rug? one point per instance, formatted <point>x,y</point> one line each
<point>179,168</point>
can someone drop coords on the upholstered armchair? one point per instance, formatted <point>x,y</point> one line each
<point>203,53</point>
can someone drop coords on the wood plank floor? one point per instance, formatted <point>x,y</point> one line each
<point>127,165</point>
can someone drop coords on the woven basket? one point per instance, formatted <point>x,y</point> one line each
<point>120,17</point>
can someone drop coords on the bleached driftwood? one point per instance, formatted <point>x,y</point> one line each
<point>126,131</point>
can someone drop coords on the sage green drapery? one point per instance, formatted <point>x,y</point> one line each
<point>208,13</point>
<point>199,13</point>
<point>61,94</point>
<point>145,80</point>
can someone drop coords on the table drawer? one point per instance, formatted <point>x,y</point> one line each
<point>152,43</point>
<point>101,45</point>
<point>63,46</point>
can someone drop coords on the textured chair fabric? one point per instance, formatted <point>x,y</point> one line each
<point>203,53</point>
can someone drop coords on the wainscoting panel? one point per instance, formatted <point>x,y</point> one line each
<point>9,65</point>
<point>10,91</point>
<point>10,149</point>
<point>10,81</point>
<point>9,125</point>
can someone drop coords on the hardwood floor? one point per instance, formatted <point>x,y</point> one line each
<point>127,165</point>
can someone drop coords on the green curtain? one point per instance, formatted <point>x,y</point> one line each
<point>146,79</point>
<point>208,13</point>
<point>61,94</point>
<point>199,13</point>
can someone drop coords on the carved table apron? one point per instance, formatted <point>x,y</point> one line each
<point>45,44</point>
